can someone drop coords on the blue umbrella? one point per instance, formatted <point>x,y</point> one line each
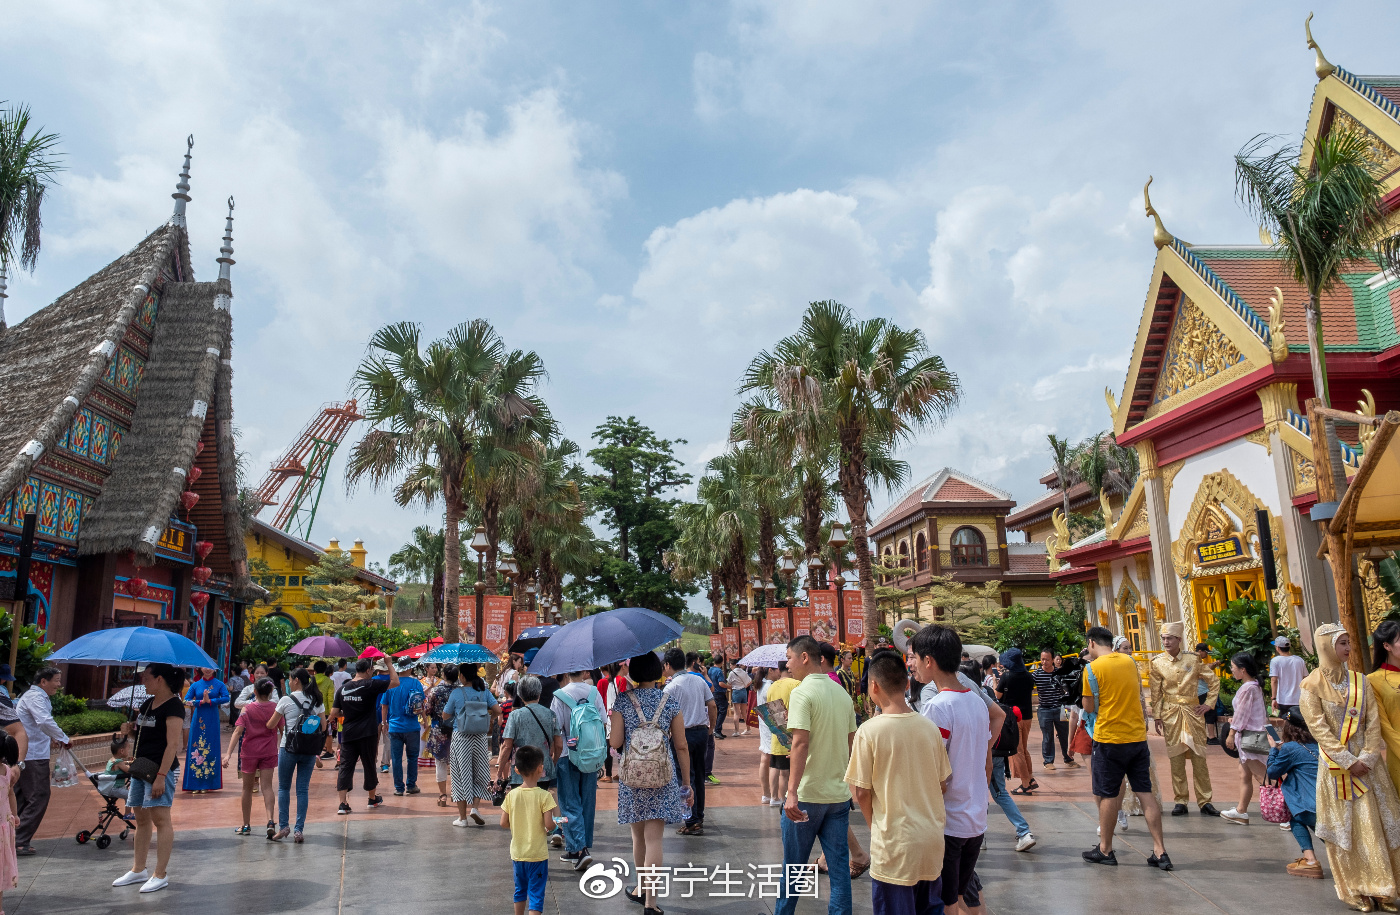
<point>133,645</point>
<point>613,635</point>
<point>533,637</point>
<point>459,653</point>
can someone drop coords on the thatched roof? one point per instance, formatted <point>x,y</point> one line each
<point>184,398</point>
<point>50,361</point>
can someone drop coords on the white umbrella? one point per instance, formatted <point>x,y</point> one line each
<point>765,656</point>
<point>126,698</point>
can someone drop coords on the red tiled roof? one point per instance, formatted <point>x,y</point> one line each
<point>1390,92</point>
<point>1028,564</point>
<point>1254,279</point>
<point>1079,494</point>
<point>955,490</point>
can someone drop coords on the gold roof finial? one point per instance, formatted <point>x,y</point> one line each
<point>1160,236</point>
<point>1322,66</point>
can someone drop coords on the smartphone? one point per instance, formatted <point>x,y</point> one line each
<point>560,821</point>
<point>1269,729</point>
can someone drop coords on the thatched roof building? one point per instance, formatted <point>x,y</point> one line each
<point>116,431</point>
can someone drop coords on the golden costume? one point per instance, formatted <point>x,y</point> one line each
<point>1385,684</point>
<point>1174,702</point>
<point>1358,818</point>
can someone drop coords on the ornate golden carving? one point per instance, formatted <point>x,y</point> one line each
<point>1383,152</point>
<point>1196,350</point>
<point>1304,473</point>
<point>1220,500</point>
<point>1276,400</point>
<point>1147,459</point>
<point>1160,236</point>
<point>1112,404</point>
<point>1261,437</point>
<point>1368,408</point>
<point>1159,610</point>
<point>1105,509</point>
<point>1373,596</point>
<point>1321,67</point>
<point>1169,473</point>
<point>1278,346</point>
<point>1139,527</point>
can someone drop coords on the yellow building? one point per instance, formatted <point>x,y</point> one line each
<point>286,558</point>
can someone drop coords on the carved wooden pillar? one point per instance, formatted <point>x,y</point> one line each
<point>1106,597</point>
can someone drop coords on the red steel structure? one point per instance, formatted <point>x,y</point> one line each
<point>307,461</point>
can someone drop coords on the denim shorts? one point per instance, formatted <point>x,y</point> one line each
<point>138,795</point>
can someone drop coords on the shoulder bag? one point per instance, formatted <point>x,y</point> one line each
<point>145,769</point>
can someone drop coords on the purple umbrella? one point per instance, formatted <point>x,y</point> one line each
<point>323,646</point>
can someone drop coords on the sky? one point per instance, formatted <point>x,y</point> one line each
<point>648,194</point>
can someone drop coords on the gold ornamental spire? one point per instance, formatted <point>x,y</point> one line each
<point>1322,66</point>
<point>1160,236</point>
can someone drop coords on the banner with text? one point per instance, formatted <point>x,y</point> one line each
<point>521,620</point>
<point>855,618</point>
<point>775,626</point>
<point>731,639</point>
<point>716,643</point>
<point>466,618</point>
<point>823,609</point>
<point>496,610</point>
<point>801,621</point>
<point>748,637</point>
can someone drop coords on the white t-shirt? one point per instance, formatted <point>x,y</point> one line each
<point>739,679</point>
<point>1290,670</point>
<point>339,678</point>
<point>962,719</point>
<point>290,707</point>
<point>765,736</point>
<point>693,693</point>
<point>562,713</point>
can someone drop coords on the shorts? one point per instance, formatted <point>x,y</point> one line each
<point>138,793</point>
<point>250,764</point>
<point>1112,761</point>
<point>893,899</point>
<point>782,763</point>
<point>531,877</point>
<point>741,696</point>
<point>959,860</point>
<point>442,768</point>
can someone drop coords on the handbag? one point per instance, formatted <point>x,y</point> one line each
<point>1271,803</point>
<point>1253,742</point>
<point>1080,743</point>
<point>145,769</point>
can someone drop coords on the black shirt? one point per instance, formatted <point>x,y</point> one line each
<point>359,701</point>
<point>1015,687</point>
<point>150,724</point>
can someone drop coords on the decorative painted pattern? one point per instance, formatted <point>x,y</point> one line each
<point>146,316</point>
<point>125,371</point>
<point>48,508</point>
<point>1369,91</point>
<point>60,509</point>
<point>1196,350</point>
<point>196,624</point>
<point>91,435</point>
<point>40,584</point>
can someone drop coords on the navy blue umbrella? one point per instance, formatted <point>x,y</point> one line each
<point>127,645</point>
<point>459,653</point>
<point>603,638</point>
<point>534,637</point>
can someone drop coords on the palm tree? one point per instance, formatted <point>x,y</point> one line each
<point>1061,452</point>
<point>1105,465</point>
<point>421,559</point>
<point>545,497</point>
<point>720,529</point>
<point>871,383</point>
<point>1322,210</point>
<point>429,412</point>
<point>28,162</point>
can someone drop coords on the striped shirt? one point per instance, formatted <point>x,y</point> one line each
<point>1049,688</point>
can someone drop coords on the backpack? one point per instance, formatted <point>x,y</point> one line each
<point>1009,740</point>
<point>308,738</point>
<point>474,717</point>
<point>588,742</point>
<point>646,762</point>
<point>414,708</point>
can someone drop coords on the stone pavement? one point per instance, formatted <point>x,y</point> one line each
<point>408,854</point>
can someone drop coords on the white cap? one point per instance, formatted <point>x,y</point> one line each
<point>1282,642</point>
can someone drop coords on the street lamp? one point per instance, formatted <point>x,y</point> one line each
<point>480,544</point>
<point>816,570</point>
<point>838,542</point>
<point>530,591</point>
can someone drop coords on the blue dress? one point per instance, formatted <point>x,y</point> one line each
<point>637,804</point>
<point>204,754</point>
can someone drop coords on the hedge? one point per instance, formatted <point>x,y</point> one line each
<point>91,722</point>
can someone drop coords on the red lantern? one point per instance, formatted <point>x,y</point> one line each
<point>201,574</point>
<point>195,474</point>
<point>136,587</point>
<point>189,499</point>
<point>202,548</point>
<point>199,600</point>
<point>198,448</point>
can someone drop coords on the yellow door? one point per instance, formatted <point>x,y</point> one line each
<point>1210,595</point>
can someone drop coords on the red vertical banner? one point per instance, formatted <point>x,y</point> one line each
<point>823,615</point>
<point>775,626</point>
<point>855,617</point>
<point>716,643</point>
<point>466,618</point>
<point>748,637</point>
<point>801,621</point>
<point>521,620</point>
<point>497,614</point>
<point>731,639</point>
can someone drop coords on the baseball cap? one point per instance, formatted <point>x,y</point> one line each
<point>1282,642</point>
<point>5,674</point>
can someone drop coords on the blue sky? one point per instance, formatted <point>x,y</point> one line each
<point>649,193</point>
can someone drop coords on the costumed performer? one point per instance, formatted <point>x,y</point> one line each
<point>203,755</point>
<point>1180,716</point>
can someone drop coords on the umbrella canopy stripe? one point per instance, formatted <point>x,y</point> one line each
<point>133,645</point>
<point>417,651</point>
<point>460,653</point>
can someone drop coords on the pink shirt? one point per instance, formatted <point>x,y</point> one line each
<point>1249,708</point>
<point>258,741</point>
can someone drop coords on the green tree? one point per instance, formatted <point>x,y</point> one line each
<point>865,383</point>
<point>630,495</point>
<point>331,584</point>
<point>28,162</point>
<point>421,559</point>
<point>1061,454</point>
<point>1069,599</point>
<point>1105,465</point>
<point>1035,630</point>
<point>1243,626</point>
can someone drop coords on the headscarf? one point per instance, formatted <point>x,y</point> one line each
<point>1122,644</point>
<point>1330,669</point>
<point>1013,660</point>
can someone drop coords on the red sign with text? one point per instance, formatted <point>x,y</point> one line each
<point>823,615</point>
<point>775,626</point>
<point>496,611</point>
<point>716,643</point>
<point>731,639</point>
<point>521,620</point>
<point>466,618</point>
<point>855,618</point>
<point>748,637</point>
<point>801,621</point>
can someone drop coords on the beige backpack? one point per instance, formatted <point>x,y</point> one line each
<point>646,763</point>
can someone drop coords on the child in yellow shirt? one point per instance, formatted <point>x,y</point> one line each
<point>525,811</point>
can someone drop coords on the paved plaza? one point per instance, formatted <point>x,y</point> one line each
<point>408,854</point>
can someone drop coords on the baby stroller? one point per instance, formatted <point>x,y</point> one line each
<point>111,786</point>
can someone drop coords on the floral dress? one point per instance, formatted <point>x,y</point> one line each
<point>635,805</point>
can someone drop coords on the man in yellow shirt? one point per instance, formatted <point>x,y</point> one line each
<point>781,762</point>
<point>1113,695</point>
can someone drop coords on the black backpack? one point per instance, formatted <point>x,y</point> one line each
<point>1009,740</point>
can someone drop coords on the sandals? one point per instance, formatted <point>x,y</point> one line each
<point>442,800</point>
<point>271,829</point>
<point>1022,792</point>
<point>243,831</point>
<point>696,830</point>
<point>1035,785</point>
<point>857,870</point>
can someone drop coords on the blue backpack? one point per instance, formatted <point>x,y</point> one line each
<point>588,741</point>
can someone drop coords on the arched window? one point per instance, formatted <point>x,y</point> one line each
<point>921,553</point>
<point>904,554</point>
<point>969,549</point>
<point>887,560</point>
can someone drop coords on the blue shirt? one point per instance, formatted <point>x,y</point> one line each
<point>1299,762</point>
<point>717,683</point>
<point>460,698</point>
<point>397,699</point>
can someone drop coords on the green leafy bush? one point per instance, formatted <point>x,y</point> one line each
<point>91,722</point>
<point>382,637</point>
<point>1243,626</point>
<point>64,704</point>
<point>1035,630</point>
<point>32,651</point>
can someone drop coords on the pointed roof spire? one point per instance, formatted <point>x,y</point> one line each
<point>1321,66</point>
<point>182,188</point>
<point>1160,236</point>
<point>225,259</point>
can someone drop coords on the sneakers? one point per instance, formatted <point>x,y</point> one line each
<point>1025,842</point>
<point>461,822</point>
<point>1122,821</point>
<point>413,789</point>
<point>1301,868</point>
<point>1071,764</point>
<point>712,779</point>
<point>556,840</point>
<point>585,861</point>
<point>326,756</point>
<point>378,801</point>
<point>398,793</point>
<point>1285,825</point>
<point>775,802</point>
<point>383,768</point>
<point>1161,862</point>
<point>1095,856</point>
<point>1234,816</point>
<point>578,860</point>
<point>476,818</point>
<point>765,801</point>
<point>154,885</point>
<point>1049,767</point>
<point>344,810</point>
<point>130,877</point>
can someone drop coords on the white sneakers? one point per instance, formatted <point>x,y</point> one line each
<point>1234,816</point>
<point>764,802</point>
<point>1025,843</point>
<point>1122,821</point>
<point>775,802</point>
<point>148,883</point>
<point>461,822</point>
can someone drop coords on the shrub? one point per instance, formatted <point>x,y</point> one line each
<point>1244,626</point>
<point>1034,630</point>
<point>64,704</point>
<point>91,722</point>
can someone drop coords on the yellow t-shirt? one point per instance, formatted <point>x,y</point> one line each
<point>1119,706</point>
<point>821,707</point>
<point>782,689</point>
<point>526,807</point>
<point>902,761</point>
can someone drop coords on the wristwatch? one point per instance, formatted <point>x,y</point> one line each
<point>21,765</point>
